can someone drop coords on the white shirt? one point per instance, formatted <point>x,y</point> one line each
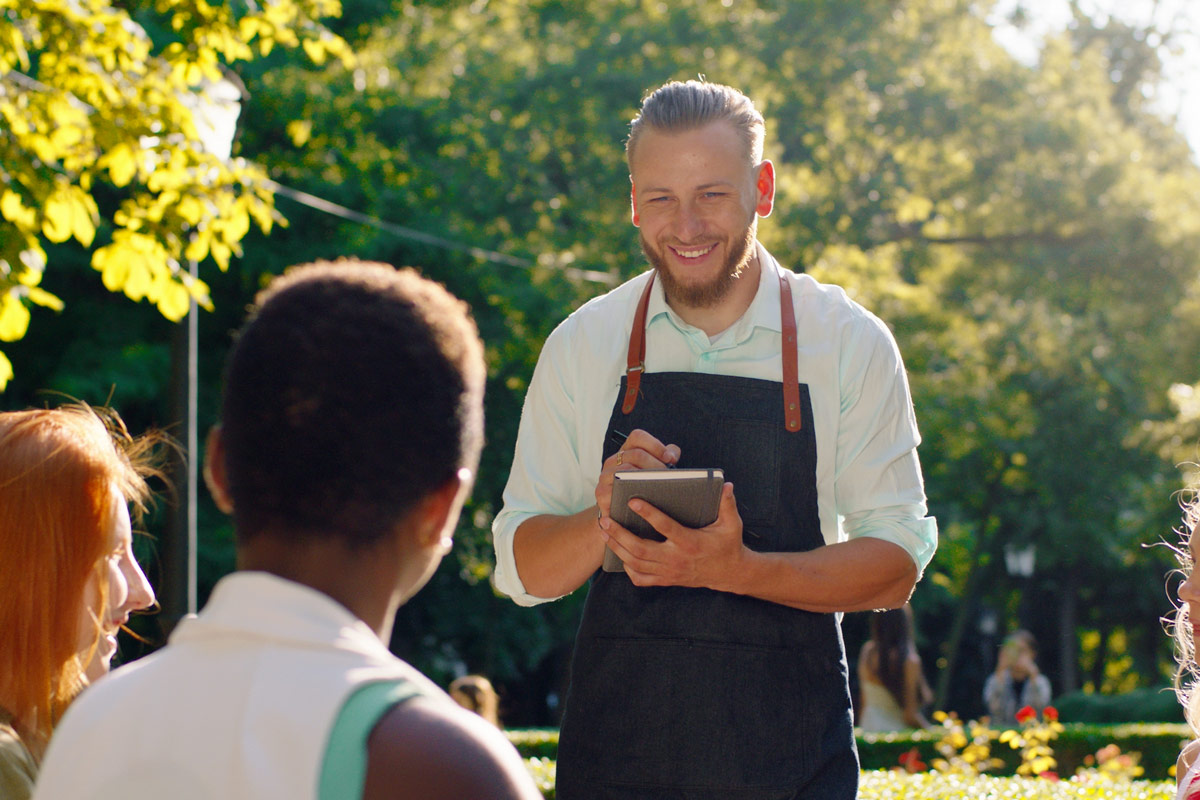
<point>239,705</point>
<point>868,477</point>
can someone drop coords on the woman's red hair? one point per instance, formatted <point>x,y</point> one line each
<point>57,467</point>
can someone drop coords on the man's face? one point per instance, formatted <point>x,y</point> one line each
<point>695,199</point>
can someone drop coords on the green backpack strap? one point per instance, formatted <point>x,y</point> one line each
<point>344,767</point>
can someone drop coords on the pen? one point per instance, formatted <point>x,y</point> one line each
<point>621,437</point>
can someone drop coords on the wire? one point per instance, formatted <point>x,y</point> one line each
<point>329,207</point>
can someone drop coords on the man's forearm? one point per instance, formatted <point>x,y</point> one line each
<point>555,555</point>
<point>858,575</point>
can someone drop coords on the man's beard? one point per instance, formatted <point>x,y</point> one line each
<point>711,293</point>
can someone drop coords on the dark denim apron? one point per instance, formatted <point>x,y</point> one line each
<point>692,693</point>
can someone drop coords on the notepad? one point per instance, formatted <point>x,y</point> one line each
<point>691,497</point>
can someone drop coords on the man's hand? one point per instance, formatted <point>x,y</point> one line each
<point>698,557</point>
<point>640,451</point>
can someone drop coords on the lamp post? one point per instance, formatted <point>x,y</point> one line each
<point>1020,561</point>
<point>216,107</point>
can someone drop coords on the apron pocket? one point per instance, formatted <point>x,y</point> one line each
<point>703,714</point>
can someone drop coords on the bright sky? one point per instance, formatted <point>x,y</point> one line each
<point>1178,98</point>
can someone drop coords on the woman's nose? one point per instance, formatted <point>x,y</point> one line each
<point>141,593</point>
<point>1189,590</point>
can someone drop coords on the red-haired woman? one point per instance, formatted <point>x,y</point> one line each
<point>68,577</point>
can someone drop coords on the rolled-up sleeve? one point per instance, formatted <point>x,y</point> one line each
<point>878,484</point>
<point>546,477</point>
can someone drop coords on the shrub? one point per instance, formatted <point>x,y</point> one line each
<point>1139,705</point>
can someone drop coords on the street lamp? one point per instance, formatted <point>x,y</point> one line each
<point>1019,560</point>
<point>215,110</point>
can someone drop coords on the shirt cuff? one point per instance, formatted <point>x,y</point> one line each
<point>505,578</point>
<point>904,526</point>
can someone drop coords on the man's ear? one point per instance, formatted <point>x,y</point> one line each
<point>215,476</point>
<point>436,515</point>
<point>764,188</point>
<point>633,203</point>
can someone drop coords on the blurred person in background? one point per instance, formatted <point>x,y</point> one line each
<point>68,576</point>
<point>891,680</point>
<point>1017,681</point>
<point>476,693</point>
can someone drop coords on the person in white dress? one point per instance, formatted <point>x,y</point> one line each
<point>891,680</point>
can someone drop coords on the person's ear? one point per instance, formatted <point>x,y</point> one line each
<point>215,477</point>
<point>764,189</point>
<point>633,212</point>
<point>437,514</point>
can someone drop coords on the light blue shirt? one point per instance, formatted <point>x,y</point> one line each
<point>868,477</point>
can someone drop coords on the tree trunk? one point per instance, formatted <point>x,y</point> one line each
<point>1097,671</point>
<point>979,576</point>
<point>1068,612</point>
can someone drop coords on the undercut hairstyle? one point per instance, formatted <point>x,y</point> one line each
<point>353,391</point>
<point>679,106</point>
<point>57,471</point>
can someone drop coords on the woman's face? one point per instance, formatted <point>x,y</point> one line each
<point>1189,590</point>
<point>128,591</point>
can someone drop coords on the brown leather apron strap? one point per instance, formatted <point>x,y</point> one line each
<point>635,362</point>
<point>790,351</point>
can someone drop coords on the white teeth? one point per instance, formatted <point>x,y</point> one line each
<point>694,253</point>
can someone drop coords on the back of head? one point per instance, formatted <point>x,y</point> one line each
<point>353,391</point>
<point>683,106</point>
<point>57,471</point>
<point>475,693</point>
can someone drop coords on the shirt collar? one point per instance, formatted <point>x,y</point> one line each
<point>763,311</point>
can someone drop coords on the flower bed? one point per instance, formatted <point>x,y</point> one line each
<point>1158,743</point>
<point>892,785</point>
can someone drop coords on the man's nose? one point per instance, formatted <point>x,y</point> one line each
<point>689,225</point>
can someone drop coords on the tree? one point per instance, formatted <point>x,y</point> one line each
<point>103,134</point>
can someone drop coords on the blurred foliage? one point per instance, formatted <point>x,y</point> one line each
<point>1031,232</point>
<point>88,97</point>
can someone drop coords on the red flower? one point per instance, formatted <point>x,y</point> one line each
<point>1025,714</point>
<point>1049,776</point>
<point>911,761</point>
<point>1050,714</point>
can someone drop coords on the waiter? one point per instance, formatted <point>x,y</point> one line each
<point>713,666</point>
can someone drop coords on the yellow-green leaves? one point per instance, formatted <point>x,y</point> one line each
<point>140,266</point>
<point>14,317</point>
<point>86,98</point>
<point>69,211</point>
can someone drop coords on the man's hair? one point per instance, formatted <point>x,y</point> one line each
<point>58,468</point>
<point>352,392</point>
<point>679,106</point>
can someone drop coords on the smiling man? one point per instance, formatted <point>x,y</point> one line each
<point>713,665</point>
